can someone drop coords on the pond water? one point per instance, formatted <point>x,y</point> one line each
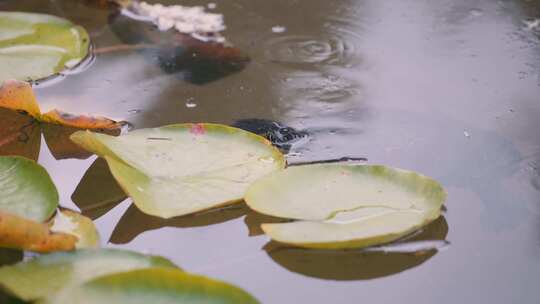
<point>449,88</point>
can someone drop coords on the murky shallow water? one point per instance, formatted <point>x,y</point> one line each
<point>447,88</point>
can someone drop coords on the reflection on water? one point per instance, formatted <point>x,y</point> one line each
<point>19,134</point>
<point>134,222</point>
<point>190,59</point>
<point>97,192</point>
<point>10,256</point>
<point>357,264</point>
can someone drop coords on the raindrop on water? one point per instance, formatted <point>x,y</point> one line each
<point>278,29</point>
<point>190,103</point>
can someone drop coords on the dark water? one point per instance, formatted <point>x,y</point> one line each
<point>447,88</point>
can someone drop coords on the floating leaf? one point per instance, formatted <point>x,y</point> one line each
<point>154,285</point>
<point>36,46</point>
<point>28,198</point>
<point>26,189</point>
<point>21,125</point>
<point>345,206</point>
<point>181,169</point>
<point>47,275</point>
<point>19,233</point>
<point>74,223</point>
<point>58,127</point>
<point>18,96</point>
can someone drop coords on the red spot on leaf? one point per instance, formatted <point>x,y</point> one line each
<point>197,129</point>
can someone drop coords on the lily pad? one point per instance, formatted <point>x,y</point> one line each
<point>74,223</point>
<point>154,285</point>
<point>345,206</point>
<point>26,189</point>
<point>182,169</point>
<point>47,275</point>
<point>36,46</point>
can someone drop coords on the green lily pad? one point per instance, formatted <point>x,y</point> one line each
<point>36,46</point>
<point>47,275</point>
<point>74,223</point>
<point>157,286</point>
<point>26,189</point>
<point>345,206</point>
<point>181,169</point>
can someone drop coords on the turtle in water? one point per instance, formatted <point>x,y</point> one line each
<point>279,135</point>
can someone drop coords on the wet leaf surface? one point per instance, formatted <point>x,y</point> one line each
<point>36,46</point>
<point>26,189</point>
<point>218,164</point>
<point>157,285</point>
<point>48,275</point>
<point>345,206</point>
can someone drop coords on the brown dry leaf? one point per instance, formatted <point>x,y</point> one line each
<point>19,233</point>
<point>80,121</point>
<point>21,124</point>
<point>58,127</point>
<point>18,96</point>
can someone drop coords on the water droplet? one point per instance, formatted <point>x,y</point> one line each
<point>309,50</point>
<point>190,103</point>
<point>466,134</point>
<point>531,24</point>
<point>278,29</point>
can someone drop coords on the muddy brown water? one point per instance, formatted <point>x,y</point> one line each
<point>447,88</point>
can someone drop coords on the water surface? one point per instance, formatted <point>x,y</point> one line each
<point>449,88</point>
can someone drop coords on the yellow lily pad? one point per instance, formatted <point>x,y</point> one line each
<point>345,206</point>
<point>186,168</point>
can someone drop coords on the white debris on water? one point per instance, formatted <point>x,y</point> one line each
<point>212,5</point>
<point>467,134</point>
<point>278,29</point>
<point>532,24</point>
<point>193,20</point>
